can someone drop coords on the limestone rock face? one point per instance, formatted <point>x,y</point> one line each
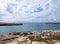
<point>21,40</point>
<point>34,42</point>
<point>57,43</point>
<point>13,43</point>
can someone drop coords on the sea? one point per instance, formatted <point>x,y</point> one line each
<point>29,27</point>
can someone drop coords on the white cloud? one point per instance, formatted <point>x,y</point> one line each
<point>29,10</point>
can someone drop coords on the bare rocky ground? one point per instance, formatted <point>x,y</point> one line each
<point>37,37</point>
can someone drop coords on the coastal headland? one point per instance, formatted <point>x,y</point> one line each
<point>35,37</point>
<point>10,24</point>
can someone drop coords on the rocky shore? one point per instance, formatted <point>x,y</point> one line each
<point>36,37</point>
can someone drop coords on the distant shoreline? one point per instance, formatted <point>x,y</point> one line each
<point>9,24</point>
<point>12,24</point>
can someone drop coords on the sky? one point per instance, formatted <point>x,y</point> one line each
<point>29,10</point>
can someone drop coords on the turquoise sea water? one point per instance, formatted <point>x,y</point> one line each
<point>29,27</point>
